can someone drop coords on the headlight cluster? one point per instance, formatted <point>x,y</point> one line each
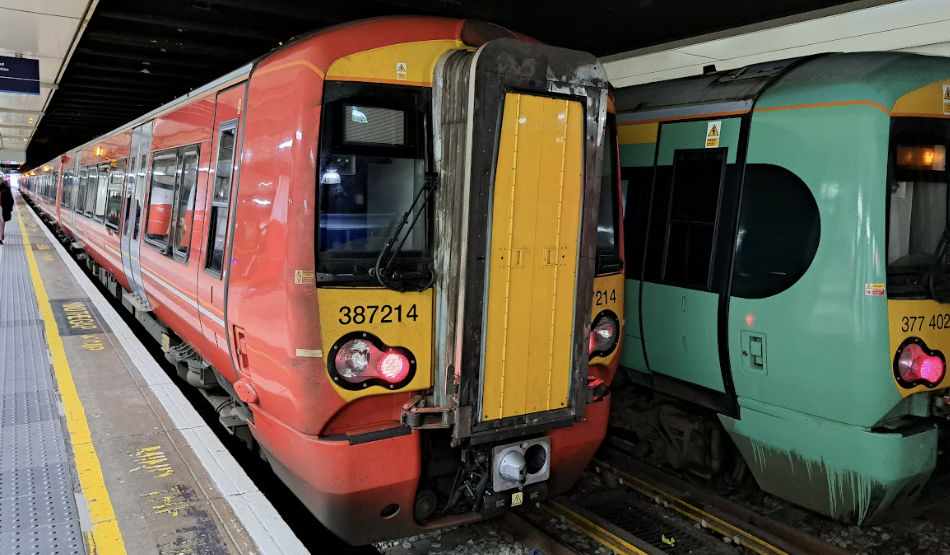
<point>604,334</point>
<point>359,360</point>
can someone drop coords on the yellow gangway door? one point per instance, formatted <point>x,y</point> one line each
<point>532,274</point>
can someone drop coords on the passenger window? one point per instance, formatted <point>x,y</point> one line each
<point>140,177</point>
<point>81,196</point>
<point>114,195</point>
<point>185,210</point>
<point>221,198</point>
<point>66,200</point>
<point>55,186</point>
<point>102,189</point>
<point>692,216</point>
<point>159,223</point>
<point>779,231</point>
<point>92,187</point>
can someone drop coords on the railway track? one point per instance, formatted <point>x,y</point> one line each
<point>635,509</point>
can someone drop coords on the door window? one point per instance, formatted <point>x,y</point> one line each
<point>221,197</point>
<point>692,217</point>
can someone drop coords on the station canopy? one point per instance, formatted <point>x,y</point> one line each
<point>101,63</point>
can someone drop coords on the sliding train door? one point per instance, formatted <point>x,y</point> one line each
<point>134,200</point>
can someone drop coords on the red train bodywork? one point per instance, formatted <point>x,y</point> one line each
<point>252,323</point>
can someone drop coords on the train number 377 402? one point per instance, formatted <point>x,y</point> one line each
<point>917,323</point>
<point>376,314</point>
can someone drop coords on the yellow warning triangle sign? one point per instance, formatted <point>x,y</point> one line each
<point>946,92</point>
<point>713,132</point>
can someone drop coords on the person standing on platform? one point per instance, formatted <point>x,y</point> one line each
<point>6,207</point>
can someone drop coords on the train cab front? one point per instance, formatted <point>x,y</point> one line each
<point>462,231</point>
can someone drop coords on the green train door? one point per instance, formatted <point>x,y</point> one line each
<point>689,235</point>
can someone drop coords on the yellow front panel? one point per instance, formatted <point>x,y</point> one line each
<point>637,133</point>
<point>397,319</point>
<point>531,285</point>
<point>608,295</point>
<point>926,319</point>
<point>410,63</point>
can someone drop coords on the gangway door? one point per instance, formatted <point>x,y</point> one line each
<point>520,136</point>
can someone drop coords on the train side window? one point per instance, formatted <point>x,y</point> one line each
<point>221,198</point>
<point>55,186</point>
<point>102,191</point>
<point>779,230</point>
<point>114,195</point>
<point>161,194</point>
<point>185,203</point>
<point>140,177</point>
<point>81,196</point>
<point>66,200</point>
<point>91,190</point>
<point>692,217</point>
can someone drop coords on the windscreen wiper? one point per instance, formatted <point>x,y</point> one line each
<point>384,271</point>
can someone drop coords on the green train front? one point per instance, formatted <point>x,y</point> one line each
<point>789,271</point>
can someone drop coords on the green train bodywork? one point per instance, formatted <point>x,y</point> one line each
<point>787,333</point>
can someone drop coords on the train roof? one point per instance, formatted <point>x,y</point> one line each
<point>877,77</point>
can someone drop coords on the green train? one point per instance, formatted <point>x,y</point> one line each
<point>788,275</point>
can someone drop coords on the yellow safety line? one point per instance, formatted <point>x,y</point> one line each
<point>694,513</point>
<point>106,536</point>
<point>596,533</point>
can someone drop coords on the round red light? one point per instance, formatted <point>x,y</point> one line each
<point>914,364</point>
<point>394,367</point>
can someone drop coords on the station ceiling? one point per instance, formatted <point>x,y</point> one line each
<point>134,56</point>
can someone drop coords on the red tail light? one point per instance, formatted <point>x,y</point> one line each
<point>394,367</point>
<point>917,365</point>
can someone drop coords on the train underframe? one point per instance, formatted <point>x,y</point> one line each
<point>854,475</point>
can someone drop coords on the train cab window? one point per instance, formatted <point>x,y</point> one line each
<point>692,217</point>
<point>778,235</point>
<point>159,216</point>
<point>185,204</point>
<point>221,198</point>
<point>92,188</point>
<point>373,162</point>
<point>608,251</point>
<point>81,193</point>
<point>114,195</point>
<point>918,208</point>
<point>102,192</point>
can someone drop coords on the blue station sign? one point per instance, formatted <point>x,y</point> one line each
<point>19,75</point>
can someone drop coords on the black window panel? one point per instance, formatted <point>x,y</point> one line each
<point>691,222</point>
<point>636,215</point>
<point>81,196</point>
<point>55,186</point>
<point>221,198</point>
<point>114,195</point>
<point>66,200</point>
<point>102,193</point>
<point>779,232</point>
<point>185,203</point>
<point>608,251</point>
<point>92,187</point>
<point>656,239</point>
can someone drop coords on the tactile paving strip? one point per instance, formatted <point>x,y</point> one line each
<point>37,507</point>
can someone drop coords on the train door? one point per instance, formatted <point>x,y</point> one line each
<point>211,280</point>
<point>689,237</point>
<point>134,200</point>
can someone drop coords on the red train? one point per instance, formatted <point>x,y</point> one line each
<point>391,248</point>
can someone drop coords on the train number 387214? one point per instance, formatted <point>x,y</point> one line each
<point>917,323</point>
<point>376,314</point>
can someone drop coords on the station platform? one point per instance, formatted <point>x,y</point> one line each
<point>100,453</point>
